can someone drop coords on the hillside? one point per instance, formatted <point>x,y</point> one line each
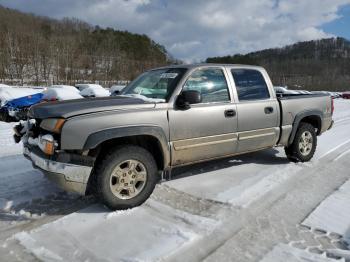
<point>313,65</point>
<point>40,50</point>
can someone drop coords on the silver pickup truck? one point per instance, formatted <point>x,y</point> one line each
<point>119,147</point>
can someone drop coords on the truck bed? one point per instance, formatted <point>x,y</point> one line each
<point>294,106</point>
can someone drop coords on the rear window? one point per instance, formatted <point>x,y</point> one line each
<point>250,84</point>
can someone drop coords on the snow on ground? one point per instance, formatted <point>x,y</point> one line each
<point>283,253</point>
<point>7,144</point>
<point>333,214</point>
<point>146,233</point>
<point>166,224</point>
<point>19,181</point>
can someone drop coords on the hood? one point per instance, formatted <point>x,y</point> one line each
<point>69,108</point>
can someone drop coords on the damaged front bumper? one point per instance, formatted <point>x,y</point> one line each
<point>70,177</point>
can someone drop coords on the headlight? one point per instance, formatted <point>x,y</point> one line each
<point>47,144</point>
<point>53,124</point>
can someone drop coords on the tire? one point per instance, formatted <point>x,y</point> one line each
<point>126,177</point>
<point>304,144</point>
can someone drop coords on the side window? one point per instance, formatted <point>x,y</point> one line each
<point>211,83</point>
<point>250,84</point>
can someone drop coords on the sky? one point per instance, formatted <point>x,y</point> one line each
<point>192,30</point>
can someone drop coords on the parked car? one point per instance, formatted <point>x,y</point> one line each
<point>61,93</point>
<point>346,95</point>
<point>92,90</point>
<point>66,87</point>
<point>119,147</point>
<point>15,101</point>
<point>17,108</point>
<point>81,87</point>
<point>116,89</point>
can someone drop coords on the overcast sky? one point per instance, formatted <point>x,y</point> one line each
<point>192,30</point>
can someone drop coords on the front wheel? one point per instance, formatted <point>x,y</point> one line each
<point>126,177</point>
<point>304,144</point>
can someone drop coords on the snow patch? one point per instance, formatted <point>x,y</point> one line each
<point>150,232</point>
<point>283,252</point>
<point>243,195</point>
<point>41,252</point>
<point>60,94</point>
<point>333,214</point>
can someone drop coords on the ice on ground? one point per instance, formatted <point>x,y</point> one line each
<point>147,233</point>
<point>20,183</point>
<point>283,253</point>
<point>8,146</point>
<point>254,188</point>
<point>333,214</point>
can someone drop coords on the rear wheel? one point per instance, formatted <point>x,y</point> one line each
<point>126,177</point>
<point>304,145</point>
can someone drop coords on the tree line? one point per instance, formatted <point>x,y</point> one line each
<point>43,51</point>
<point>313,65</point>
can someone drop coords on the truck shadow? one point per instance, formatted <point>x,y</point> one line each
<point>265,157</point>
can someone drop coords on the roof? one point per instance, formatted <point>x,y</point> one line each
<point>191,66</point>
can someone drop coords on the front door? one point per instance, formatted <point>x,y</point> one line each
<point>206,130</point>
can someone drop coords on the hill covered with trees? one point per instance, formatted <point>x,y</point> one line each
<point>312,65</point>
<point>39,50</point>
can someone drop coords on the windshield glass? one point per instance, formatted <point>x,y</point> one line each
<point>156,85</point>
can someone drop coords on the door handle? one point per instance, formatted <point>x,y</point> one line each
<point>230,113</point>
<point>268,110</point>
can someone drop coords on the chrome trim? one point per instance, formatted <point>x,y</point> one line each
<point>255,136</point>
<point>69,176</point>
<point>203,141</point>
<point>244,135</point>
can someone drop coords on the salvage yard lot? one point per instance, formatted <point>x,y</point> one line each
<point>253,207</point>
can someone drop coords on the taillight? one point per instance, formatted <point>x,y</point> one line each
<point>332,99</point>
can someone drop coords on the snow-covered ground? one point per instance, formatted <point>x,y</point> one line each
<point>252,207</point>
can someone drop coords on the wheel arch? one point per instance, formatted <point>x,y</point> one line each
<point>151,138</point>
<point>313,117</point>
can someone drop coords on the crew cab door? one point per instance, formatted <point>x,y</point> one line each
<point>208,129</point>
<point>257,109</point>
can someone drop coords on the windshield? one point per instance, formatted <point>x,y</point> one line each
<point>156,85</point>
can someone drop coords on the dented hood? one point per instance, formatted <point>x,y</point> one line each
<point>69,108</point>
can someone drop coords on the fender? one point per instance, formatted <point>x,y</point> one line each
<point>99,137</point>
<point>299,117</point>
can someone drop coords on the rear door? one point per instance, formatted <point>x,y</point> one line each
<point>257,110</point>
<point>206,130</point>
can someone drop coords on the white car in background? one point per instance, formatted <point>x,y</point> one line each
<point>116,89</point>
<point>66,87</point>
<point>92,90</point>
<point>61,93</point>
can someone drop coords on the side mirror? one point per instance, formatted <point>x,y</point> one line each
<point>186,98</point>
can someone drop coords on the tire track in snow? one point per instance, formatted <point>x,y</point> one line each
<point>334,148</point>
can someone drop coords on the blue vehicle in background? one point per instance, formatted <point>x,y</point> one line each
<point>16,109</point>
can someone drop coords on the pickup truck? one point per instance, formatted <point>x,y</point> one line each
<point>120,147</point>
